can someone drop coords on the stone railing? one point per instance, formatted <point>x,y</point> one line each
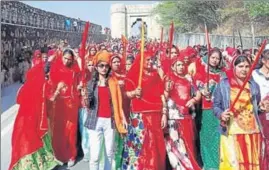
<point>19,13</point>
<point>14,38</point>
<point>221,41</point>
<point>24,28</point>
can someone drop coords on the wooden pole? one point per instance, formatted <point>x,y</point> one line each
<point>142,55</point>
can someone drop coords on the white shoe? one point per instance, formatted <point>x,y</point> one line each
<point>70,163</point>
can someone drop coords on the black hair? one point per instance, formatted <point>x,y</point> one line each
<point>241,59</point>
<point>245,50</point>
<point>130,58</point>
<point>115,56</point>
<point>69,51</point>
<point>217,50</point>
<point>44,50</point>
<point>167,49</point>
<point>255,50</point>
<point>265,54</point>
<point>101,46</point>
<point>92,48</point>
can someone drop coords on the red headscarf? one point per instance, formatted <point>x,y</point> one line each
<point>231,72</point>
<point>37,57</point>
<point>122,62</point>
<point>232,51</point>
<point>31,122</point>
<point>180,57</point>
<point>150,83</point>
<point>191,53</point>
<point>51,52</point>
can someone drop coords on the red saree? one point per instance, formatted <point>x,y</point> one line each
<point>31,121</point>
<point>63,112</point>
<point>181,126</point>
<point>144,148</point>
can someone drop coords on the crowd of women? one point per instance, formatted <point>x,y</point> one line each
<point>164,108</point>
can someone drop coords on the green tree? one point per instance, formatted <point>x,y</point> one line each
<point>189,15</point>
<point>257,9</point>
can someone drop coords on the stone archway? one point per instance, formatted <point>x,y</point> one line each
<point>123,17</point>
<point>138,22</point>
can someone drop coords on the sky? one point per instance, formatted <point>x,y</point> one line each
<point>97,12</point>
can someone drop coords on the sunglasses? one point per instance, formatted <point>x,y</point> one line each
<point>103,65</point>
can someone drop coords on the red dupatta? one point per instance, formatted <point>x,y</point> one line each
<point>31,121</point>
<point>201,80</point>
<point>63,112</point>
<point>152,88</point>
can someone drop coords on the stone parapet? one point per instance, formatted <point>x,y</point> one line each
<point>15,12</point>
<point>25,28</point>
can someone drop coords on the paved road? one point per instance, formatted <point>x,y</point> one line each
<point>9,111</point>
<point>8,96</point>
<point>6,132</point>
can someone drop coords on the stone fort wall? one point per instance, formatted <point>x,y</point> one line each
<point>25,28</point>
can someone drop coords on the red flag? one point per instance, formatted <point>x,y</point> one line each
<point>82,49</point>
<point>171,38</point>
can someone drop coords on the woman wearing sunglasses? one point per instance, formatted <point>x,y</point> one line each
<point>105,111</point>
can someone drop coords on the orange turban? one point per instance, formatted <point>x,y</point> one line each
<point>102,56</point>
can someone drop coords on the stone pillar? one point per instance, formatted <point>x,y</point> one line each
<point>118,20</point>
<point>154,27</point>
<point>130,20</point>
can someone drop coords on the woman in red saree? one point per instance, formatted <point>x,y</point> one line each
<point>144,148</point>
<point>63,113</point>
<point>31,143</point>
<point>182,97</point>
